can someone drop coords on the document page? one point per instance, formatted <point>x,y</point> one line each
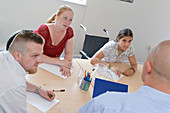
<point>55,69</point>
<point>39,102</point>
<point>116,77</point>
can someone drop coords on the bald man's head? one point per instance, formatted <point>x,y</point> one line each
<point>159,58</point>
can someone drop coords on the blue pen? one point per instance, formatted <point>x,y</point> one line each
<point>87,78</point>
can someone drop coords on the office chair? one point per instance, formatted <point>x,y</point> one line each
<point>91,45</point>
<point>12,37</point>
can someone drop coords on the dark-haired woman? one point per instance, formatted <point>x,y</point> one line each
<point>120,50</point>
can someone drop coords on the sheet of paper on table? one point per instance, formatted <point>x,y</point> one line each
<point>116,77</point>
<point>102,71</point>
<point>39,102</point>
<point>55,69</point>
<point>106,75</point>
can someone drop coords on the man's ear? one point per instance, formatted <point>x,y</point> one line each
<point>118,39</point>
<point>148,67</point>
<point>17,55</point>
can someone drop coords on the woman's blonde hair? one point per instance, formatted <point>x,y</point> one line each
<point>61,10</point>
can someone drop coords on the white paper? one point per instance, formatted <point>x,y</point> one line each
<point>116,77</point>
<point>55,69</point>
<point>105,73</point>
<point>39,102</point>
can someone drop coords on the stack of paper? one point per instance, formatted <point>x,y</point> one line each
<point>39,102</point>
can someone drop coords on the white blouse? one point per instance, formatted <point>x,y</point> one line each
<point>110,51</point>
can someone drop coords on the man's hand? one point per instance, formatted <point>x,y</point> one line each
<point>49,95</point>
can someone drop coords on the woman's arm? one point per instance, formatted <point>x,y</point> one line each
<point>133,62</point>
<point>69,49</point>
<point>97,58</point>
<point>133,68</point>
<point>56,60</point>
<point>66,70</point>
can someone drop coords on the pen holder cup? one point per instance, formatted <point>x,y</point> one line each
<point>85,85</point>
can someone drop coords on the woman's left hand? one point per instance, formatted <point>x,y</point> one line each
<point>66,63</point>
<point>128,72</point>
<point>116,70</point>
<point>65,71</point>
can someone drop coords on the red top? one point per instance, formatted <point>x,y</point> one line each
<point>53,50</point>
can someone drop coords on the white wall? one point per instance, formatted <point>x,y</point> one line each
<point>30,14</point>
<point>149,19</point>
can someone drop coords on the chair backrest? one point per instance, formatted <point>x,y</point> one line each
<point>93,43</point>
<point>12,37</point>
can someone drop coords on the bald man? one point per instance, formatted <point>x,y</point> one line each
<point>152,97</point>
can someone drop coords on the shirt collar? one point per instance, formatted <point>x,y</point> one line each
<point>12,59</point>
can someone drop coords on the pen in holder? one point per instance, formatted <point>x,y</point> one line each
<point>85,83</point>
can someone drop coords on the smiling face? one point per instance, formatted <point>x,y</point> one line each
<point>124,42</point>
<point>65,19</point>
<point>30,60</point>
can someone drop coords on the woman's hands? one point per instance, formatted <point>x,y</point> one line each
<point>66,67</point>
<point>126,72</point>
<point>116,70</point>
<point>66,63</point>
<point>65,71</point>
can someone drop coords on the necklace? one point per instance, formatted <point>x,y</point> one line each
<point>54,44</point>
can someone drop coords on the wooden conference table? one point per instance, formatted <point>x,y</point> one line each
<point>73,98</point>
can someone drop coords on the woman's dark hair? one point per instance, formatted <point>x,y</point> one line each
<point>124,32</point>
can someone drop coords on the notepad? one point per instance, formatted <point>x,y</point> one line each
<point>52,68</point>
<point>102,86</point>
<point>39,102</point>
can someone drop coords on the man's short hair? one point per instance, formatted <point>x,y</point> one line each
<point>20,40</point>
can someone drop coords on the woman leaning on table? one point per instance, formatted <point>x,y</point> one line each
<point>58,35</point>
<point>118,51</point>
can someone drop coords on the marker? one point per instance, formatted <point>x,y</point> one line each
<point>57,90</point>
<point>85,73</point>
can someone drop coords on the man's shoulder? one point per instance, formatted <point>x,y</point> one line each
<point>3,55</point>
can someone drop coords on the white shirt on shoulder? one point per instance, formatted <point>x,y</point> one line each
<point>13,87</point>
<point>145,100</point>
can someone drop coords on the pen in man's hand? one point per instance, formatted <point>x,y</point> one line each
<point>58,90</point>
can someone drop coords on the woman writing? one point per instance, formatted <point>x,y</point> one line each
<point>58,35</point>
<point>119,51</point>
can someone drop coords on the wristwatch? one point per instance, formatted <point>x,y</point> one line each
<point>36,91</point>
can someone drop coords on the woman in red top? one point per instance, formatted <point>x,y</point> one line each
<point>58,35</point>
